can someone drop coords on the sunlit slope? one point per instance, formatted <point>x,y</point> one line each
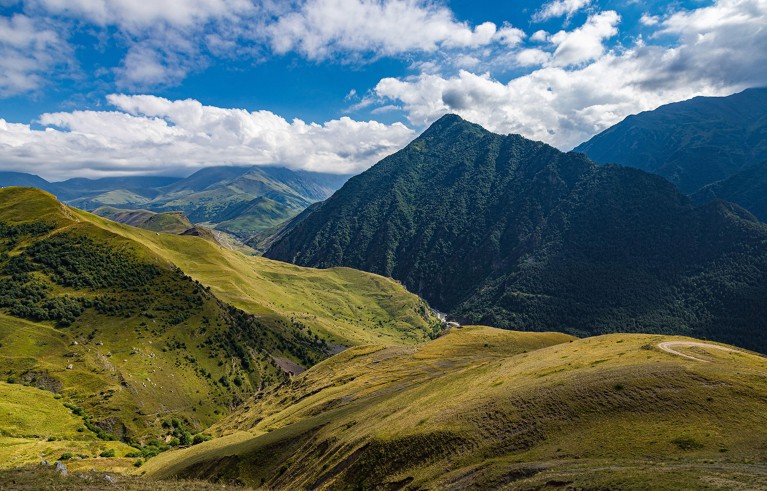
<point>36,425</point>
<point>117,330</point>
<point>487,409</point>
<point>350,306</point>
<point>168,222</point>
<point>101,313</point>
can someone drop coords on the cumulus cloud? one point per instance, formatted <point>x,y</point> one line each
<point>586,42</point>
<point>719,50</point>
<point>322,28</point>
<point>152,135</point>
<point>29,49</point>
<point>559,8</point>
<point>166,40</point>
<point>136,16</point>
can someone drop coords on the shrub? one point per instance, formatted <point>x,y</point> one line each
<point>687,443</point>
<point>108,453</point>
<point>66,456</point>
<point>199,438</point>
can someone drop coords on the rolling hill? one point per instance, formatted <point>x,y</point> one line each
<point>691,143</point>
<point>482,408</point>
<point>504,231</point>
<point>135,328</point>
<point>169,222</point>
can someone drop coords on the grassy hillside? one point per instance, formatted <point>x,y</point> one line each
<point>128,325</point>
<point>343,305</point>
<point>168,222</point>
<point>481,408</point>
<point>35,424</point>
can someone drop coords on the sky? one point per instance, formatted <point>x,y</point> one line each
<point>95,88</point>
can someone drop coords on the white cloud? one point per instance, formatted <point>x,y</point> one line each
<point>28,51</point>
<point>148,134</point>
<point>586,42</point>
<point>649,20</point>
<point>510,36</point>
<point>540,36</point>
<point>559,8</point>
<point>134,16</point>
<point>532,57</point>
<point>323,28</point>
<point>720,49</point>
<point>166,40</point>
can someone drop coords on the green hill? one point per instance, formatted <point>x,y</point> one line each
<point>169,222</point>
<point>504,231</point>
<point>691,143</point>
<point>131,327</point>
<point>481,408</point>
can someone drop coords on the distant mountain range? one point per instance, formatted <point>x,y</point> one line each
<point>693,143</point>
<point>237,200</point>
<point>504,231</point>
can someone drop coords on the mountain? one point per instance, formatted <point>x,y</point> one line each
<point>134,330</point>
<point>504,231</point>
<point>481,408</point>
<point>169,223</point>
<point>691,143</point>
<point>22,179</point>
<point>79,188</point>
<point>747,188</point>
<point>242,201</point>
<point>245,201</point>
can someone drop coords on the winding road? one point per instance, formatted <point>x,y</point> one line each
<point>668,347</point>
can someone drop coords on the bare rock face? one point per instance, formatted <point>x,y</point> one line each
<point>60,468</point>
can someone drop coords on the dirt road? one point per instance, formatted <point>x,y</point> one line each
<point>669,346</point>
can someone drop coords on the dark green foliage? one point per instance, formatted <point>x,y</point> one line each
<point>503,231</point>
<point>77,261</point>
<point>687,443</point>
<point>13,233</point>
<point>108,453</point>
<point>200,437</point>
<point>747,188</point>
<point>128,286</point>
<point>692,143</point>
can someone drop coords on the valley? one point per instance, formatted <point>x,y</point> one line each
<point>614,337</point>
<point>141,334</point>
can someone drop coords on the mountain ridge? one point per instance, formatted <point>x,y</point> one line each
<point>504,231</point>
<point>692,143</point>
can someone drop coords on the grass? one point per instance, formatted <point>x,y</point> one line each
<point>346,306</point>
<point>34,478</point>
<point>482,408</point>
<point>29,412</point>
<point>169,222</point>
<point>35,425</point>
<point>171,347</point>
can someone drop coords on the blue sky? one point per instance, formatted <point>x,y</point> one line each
<point>115,87</point>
